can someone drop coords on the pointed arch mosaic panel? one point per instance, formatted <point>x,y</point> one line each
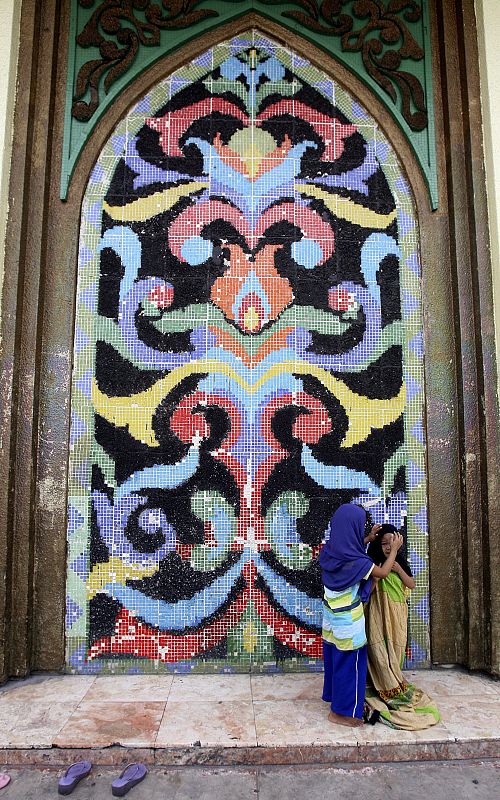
<point>248,355</point>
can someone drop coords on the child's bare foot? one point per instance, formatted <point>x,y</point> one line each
<point>348,722</point>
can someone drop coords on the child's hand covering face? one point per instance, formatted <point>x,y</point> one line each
<point>387,541</point>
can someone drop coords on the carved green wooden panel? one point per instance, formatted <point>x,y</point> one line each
<point>386,43</point>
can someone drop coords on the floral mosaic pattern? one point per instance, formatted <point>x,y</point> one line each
<point>248,355</point>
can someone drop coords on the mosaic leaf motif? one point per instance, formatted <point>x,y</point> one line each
<point>246,370</point>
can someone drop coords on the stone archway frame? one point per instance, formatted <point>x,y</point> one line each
<point>38,320</point>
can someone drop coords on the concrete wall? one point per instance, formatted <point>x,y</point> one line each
<point>9,44</point>
<point>488,26</point>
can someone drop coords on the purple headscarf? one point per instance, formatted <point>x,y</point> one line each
<point>343,558</point>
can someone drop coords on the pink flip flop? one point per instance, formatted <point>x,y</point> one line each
<point>73,775</point>
<point>131,776</point>
<point>4,780</point>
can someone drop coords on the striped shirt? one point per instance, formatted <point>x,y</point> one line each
<point>343,617</point>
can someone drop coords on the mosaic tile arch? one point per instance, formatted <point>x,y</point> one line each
<point>248,355</point>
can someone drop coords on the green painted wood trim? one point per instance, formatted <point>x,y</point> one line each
<point>408,60</point>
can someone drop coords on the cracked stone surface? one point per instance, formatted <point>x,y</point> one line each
<point>188,715</point>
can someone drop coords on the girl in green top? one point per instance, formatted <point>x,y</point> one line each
<point>401,705</point>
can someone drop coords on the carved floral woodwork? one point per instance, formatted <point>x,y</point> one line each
<point>377,29</point>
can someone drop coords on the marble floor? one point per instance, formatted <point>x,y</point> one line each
<point>224,711</point>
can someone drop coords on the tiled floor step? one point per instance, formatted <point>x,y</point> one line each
<point>224,720</point>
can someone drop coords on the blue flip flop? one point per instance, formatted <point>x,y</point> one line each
<point>131,776</point>
<point>73,775</point>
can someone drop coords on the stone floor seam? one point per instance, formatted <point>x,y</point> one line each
<point>253,711</point>
<point>249,721</point>
<point>162,718</point>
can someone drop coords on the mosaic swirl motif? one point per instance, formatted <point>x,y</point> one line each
<point>248,365</point>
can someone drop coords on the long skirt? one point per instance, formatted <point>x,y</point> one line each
<point>345,679</point>
<point>401,704</point>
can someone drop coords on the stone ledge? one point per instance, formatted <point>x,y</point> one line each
<point>255,756</point>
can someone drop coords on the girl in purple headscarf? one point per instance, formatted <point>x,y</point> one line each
<point>347,573</point>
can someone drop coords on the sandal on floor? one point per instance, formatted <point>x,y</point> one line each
<point>370,715</point>
<point>73,775</point>
<point>4,780</point>
<point>131,776</point>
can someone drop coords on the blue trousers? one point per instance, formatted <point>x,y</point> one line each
<point>345,679</point>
